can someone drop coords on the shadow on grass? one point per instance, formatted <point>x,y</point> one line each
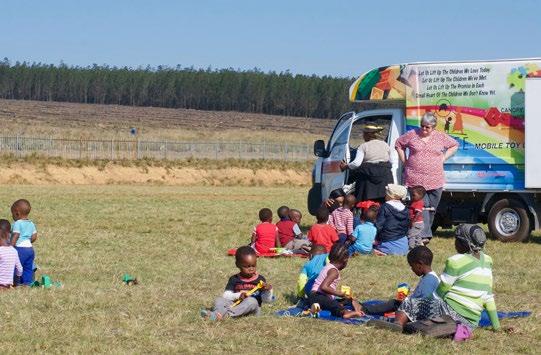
<point>291,297</point>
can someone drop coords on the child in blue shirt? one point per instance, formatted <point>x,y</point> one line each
<point>311,270</point>
<point>23,235</point>
<point>365,233</point>
<point>420,261</point>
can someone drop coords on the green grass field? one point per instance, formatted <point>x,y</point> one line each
<point>174,240</point>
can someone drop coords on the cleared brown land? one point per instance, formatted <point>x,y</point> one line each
<point>71,120</point>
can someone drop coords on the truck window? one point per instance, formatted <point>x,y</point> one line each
<point>342,138</point>
<point>356,137</point>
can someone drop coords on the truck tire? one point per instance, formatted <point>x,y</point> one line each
<point>508,221</point>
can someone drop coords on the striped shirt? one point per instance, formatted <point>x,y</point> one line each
<point>466,286</point>
<point>342,220</point>
<point>9,261</point>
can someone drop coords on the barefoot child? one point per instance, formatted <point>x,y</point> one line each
<point>23,235</point>
<point>321,232</point>
<point>237,288</point>
<point>324,290</point>
<point>9,259</point>
<point>265,234</point>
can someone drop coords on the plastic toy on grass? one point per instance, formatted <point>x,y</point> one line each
<point>402,291</point>
<point>129,280</point>
<point>346,290</point>
<point>46,282</point>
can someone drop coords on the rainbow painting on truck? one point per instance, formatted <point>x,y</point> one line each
<point>480,104</point>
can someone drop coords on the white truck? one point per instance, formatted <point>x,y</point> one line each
<point>492,109</point>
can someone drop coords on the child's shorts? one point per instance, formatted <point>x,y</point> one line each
<point>329,304</point>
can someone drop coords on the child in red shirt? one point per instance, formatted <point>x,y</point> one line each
<point>285,226</point>
<point>322,233</point>
<point>415,232</point>
<point>265,234</point>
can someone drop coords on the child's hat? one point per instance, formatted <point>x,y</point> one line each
<point>372,128</point>
<point>472,234</point>
<point>395,191</point>
<point>364,205</point>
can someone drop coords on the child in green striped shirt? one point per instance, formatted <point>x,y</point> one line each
<point>465,288</point>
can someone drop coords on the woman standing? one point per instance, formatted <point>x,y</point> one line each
<point>371,168</point>
<point>428,150</point>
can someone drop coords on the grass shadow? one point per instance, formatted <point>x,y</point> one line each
<point>291,297</point>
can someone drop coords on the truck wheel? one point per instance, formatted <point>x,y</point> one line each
<point>508,221</point>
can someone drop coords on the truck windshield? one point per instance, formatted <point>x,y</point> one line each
<point>356,136</point>
<point>344,118</point>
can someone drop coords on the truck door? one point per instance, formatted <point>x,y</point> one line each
<point>338,149</point>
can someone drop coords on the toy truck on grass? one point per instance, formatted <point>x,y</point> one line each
<point>491,108</point>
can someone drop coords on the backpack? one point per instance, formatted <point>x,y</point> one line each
<point>438,327</point>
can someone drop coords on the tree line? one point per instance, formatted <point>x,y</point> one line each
<point>179,87</point>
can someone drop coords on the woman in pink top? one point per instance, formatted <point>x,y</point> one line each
<point>324,291</point>
<point>428,150</point>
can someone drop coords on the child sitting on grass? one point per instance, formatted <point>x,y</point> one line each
<point>23,235</point>
<point>342,219</point>
<point>351,202</point>
<point>265,234</point>
<point>420,261</point>
<point>299,242</point>
<point>362,240</point>
<point>465,288</point>
<point>324,290</point>
<point>237,288</point>
<point>9,259</point>
<point>392,223</point>
<point>311,269</point>
<point>322,233</point>
<point>285,226</point>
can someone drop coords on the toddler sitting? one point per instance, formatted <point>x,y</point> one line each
<point>265,234</point>
<point>311,269</point>
<point>362,240</point>
<point>239,299</point>
<point>324,289</point>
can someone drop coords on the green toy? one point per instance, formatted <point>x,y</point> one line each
<point>46,282</point>
<point>129,279</point>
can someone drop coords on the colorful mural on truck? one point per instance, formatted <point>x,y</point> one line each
<point>480,104</point>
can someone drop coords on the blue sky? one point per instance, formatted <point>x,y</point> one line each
<point>341,38</point>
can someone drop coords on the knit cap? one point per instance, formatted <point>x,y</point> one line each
<point>397,192</point>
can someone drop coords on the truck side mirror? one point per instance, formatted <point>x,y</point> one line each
<point>319,149</point>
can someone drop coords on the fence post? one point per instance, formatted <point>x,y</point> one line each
<point>18,154</point>
<point>240,149</point>
<point>264,150</point>
<point>165,150</point>
<point>138,149</point>
<point>216,151</point>
<point>112,149</point>
<point>80,148</point>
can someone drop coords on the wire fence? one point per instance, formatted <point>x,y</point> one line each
<point>21,146</point>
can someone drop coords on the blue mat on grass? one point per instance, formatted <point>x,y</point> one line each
<point>326,315</point>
